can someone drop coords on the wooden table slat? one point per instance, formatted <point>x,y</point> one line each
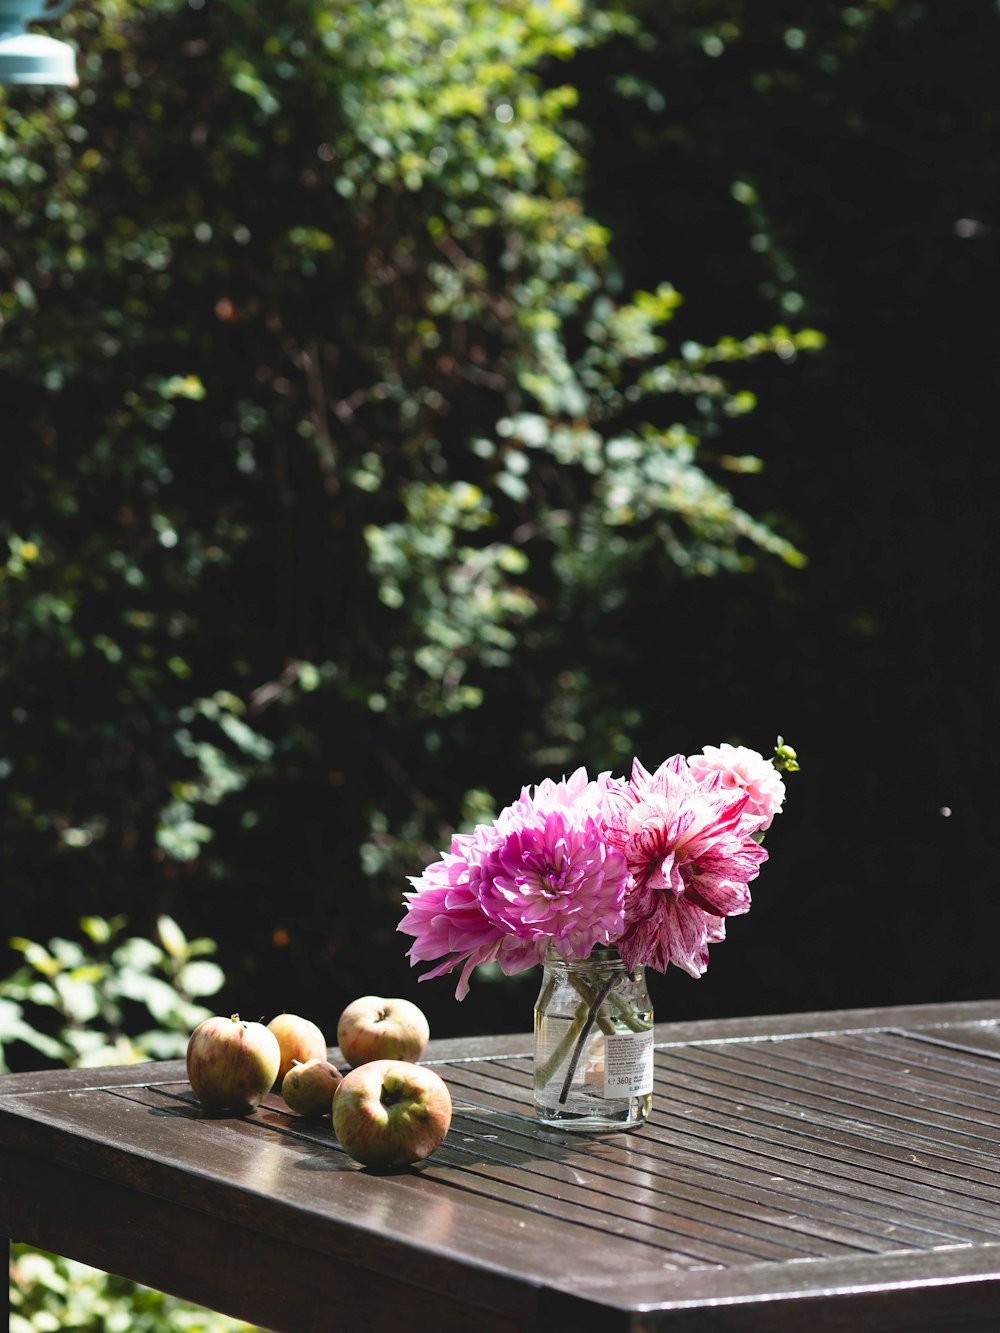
<point>709,1195</point>
<point>719,1184</point>
<point>875,1082</point>
<point>842,1146</point>
<point>925,1127</point>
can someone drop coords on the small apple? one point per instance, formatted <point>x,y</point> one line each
<point>299,1039</point>
<point>375,1029</point>
<point>391,1112</point>
<point>231,1064</point>
<point>309,1087</point>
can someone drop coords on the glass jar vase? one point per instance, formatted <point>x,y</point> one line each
<point>593,1062</point>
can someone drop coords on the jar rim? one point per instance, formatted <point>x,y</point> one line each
<point>600,953</point>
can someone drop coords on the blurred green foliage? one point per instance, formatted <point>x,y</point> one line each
<point>76,1002</point>
<point>88,1002</point>
<point>49,1293</point>
<point>330,440</point>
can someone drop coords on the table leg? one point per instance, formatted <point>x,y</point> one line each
<point>5,1296</point>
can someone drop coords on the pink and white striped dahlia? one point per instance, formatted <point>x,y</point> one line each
<point>689,846</point>
<point>541,874</point>
<point>742,768</point>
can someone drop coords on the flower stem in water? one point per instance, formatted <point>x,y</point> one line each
<point>591,1015</point>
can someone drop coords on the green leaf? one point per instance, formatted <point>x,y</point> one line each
<point>97,928</point>
<point>171,937</point>
<point>79,999</point>
<point>201,978</point>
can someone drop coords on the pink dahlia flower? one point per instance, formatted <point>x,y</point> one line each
<point>690,850</point>
<point>553,879</point>
<point>746,770</point>
<point>443,912</point>
<point>541,874</point>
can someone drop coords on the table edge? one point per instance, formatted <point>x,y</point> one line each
<point>449,1049</point>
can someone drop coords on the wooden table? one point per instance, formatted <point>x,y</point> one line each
<point>815,1172</point>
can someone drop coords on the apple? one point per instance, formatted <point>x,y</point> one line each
<point>309,1087</point>
<point>391,1112</point>
<point>299,1039</point>
<point>371,1028</point>
<point>231,1064</point>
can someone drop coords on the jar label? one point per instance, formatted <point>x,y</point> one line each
<point>628,1064</point>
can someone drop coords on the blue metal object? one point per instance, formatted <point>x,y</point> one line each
<point>28,57</point>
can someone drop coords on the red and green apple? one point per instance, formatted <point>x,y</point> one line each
<point>309,1087</point>
<point>299,1039</point>
<point>231,1064</point>
<point>390,1113</point>
<point>371,1028</point>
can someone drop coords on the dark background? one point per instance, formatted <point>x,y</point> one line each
<point>876,174</point>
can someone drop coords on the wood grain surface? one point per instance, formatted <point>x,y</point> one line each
<point>816,1171</point>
